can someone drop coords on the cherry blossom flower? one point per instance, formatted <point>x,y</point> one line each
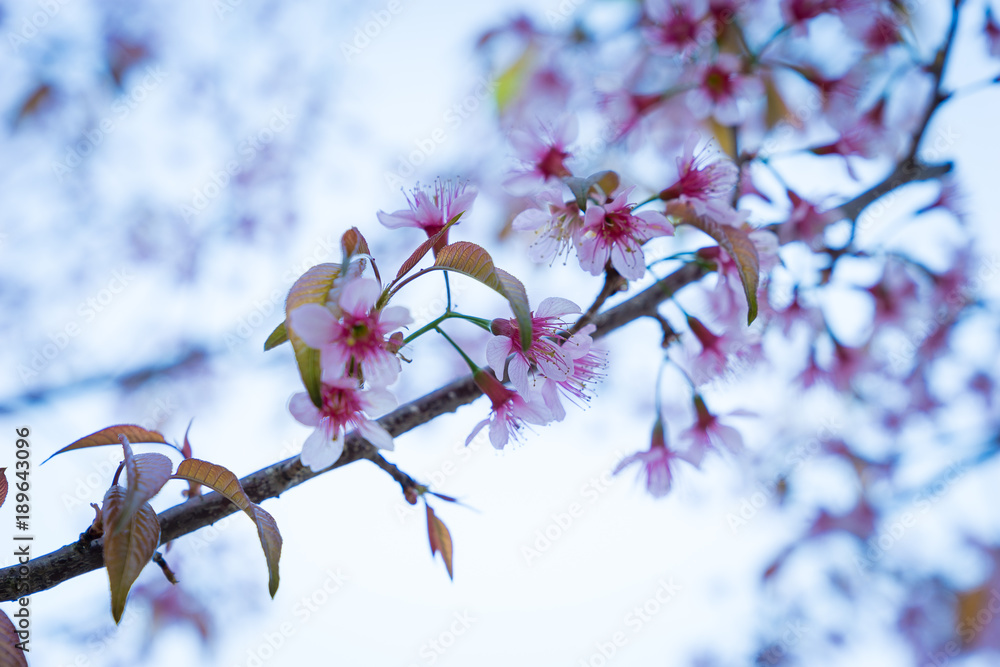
<point>708,434</point>
<point>722,90</point>
<point>353,343</point>
<point>678,27</point>
<point>345,406</point>
<point>554,364</point>
<point>717,351</point>
<point>432,211</point>
<point>556,225</point>
<point>805,223</point>
<point>611,232</point>
<point>510,411</point>
<point>544,153</point>
<point>656,463</point>
<point>703,183</point>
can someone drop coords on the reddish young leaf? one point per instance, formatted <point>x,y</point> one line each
<point>471,260</point>
<point>147,473</point>
<point>194,488</point>
<point>313,286</point>
<point>277,337</point>
<point>440,540</point>
<point>353,243</point>
<point>216,478</point>
<point>127,551</point>
<point>10,654</point>
<point>3,485</point>
<point>736,242</point>
<point>225,482</point>
<point>109,436</point>
<point>270,542</point>
<point>419,253</point>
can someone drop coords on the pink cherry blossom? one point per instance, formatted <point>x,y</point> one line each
<point>544,153</point>
<point>678,27</point>
<point>510,411</point>
<point>355,342</point>
<point>656,463</point>
<point>345,407</point>
<point>431,211</point>
<point>704,183</point>
<point>556,225</point>
<point>708,434</point>
<point>722,90</point>
<point>611,233</point>
<point>717,351</point>
<point>555,363</point>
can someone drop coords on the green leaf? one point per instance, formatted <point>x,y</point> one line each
<point>440,540</point>
<point>472,260</point>
<point>277,337</point>
<point>109,436</point>
<point>127,551</point>
<point>223,481</point>
<point>312,287</point>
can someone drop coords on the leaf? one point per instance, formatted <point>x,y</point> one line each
<point>225,482</point>
<point>510,83</point>
<point>216,478</point>
<point>724,135</point>
<point>270,542</point>
<point>516,295</point>
<point>10,654</point>
<point>194,488</point>
<point>737,244</point>
<point>3,485</point>
<point>277,337</point>
<point>777,109</point>
<point>109,436</point>
<point>313,286</point>
<point>354,243</point>
<point>147,473</point>
<point>127,551</point>
<point>422,250</point>
<point>440,540</point>
<point>473,261</point>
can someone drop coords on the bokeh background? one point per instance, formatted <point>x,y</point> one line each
<point>140,280</point>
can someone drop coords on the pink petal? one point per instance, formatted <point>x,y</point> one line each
<point>402,218</point>
<point>497,350</point>
<point>556,307</point>
<point>394,317</point>
<point>312,323</point>
<point>359,296</point>
<point>377,402</point>
<point>319,452</point>
<point>630,262</point>
<point>518,371</point>
<point>499,433</point>
<point>530,219</point>
<point>376,435</point>
<point>302,408</point>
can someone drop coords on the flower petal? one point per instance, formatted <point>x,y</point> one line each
<point>313,323</point>
<point>319,452</point>
<point>302,408</point>
<point>376,435</point>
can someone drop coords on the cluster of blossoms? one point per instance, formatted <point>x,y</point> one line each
<point>358,361</point>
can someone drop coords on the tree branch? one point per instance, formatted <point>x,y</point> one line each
<point>85,555</point>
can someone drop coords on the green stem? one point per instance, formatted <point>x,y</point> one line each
<point>478,321</point>
<point>469,361</point>
<point>447,290</point>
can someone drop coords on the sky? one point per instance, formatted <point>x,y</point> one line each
<point>147,249</point>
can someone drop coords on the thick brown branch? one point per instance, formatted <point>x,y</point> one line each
<point>83,556</point>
